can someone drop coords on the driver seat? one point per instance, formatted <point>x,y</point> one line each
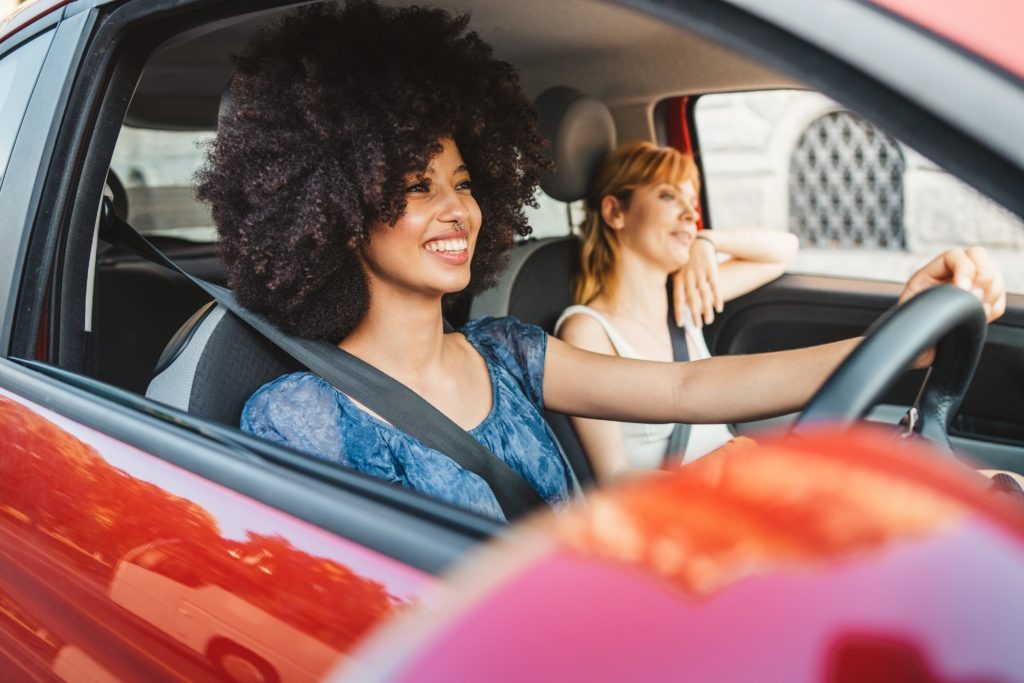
<point>215,361</point>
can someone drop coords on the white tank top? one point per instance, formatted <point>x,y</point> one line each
<point>646,444</point>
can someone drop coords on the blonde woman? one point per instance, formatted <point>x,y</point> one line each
<point>641,228</point>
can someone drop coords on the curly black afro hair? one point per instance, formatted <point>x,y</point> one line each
<point>331,109</point>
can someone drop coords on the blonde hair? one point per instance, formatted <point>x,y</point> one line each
<point>628,167</point>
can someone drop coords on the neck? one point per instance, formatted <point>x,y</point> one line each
<point>641,290</point>
<point>401,335</point>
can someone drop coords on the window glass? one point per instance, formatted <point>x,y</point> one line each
<point>863,204</point>
<point>18,73</point>
<point>552,218</point>
<point>157,169</point>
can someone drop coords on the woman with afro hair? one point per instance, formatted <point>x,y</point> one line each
<point>375,161</point>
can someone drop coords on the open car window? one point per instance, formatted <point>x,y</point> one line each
<point>863,204</point>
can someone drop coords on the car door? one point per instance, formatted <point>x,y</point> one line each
<point>137,543</point>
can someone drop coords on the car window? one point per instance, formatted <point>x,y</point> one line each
<point>157,169</point>
<point>553,217</point>
<point>18,72</point>
<point>863,204</point>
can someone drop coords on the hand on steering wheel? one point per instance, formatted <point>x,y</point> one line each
<point>971,269</point>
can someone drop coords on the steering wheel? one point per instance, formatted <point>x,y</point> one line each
<point>945,317</point>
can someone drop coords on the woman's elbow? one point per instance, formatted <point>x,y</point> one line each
<point>789,247</point>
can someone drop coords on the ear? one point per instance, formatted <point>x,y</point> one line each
<point>613,212</point>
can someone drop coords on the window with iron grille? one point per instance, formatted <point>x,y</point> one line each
<point>846,185</point>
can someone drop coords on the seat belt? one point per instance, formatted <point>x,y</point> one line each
<point>680,435</point>
<point>384,395</point>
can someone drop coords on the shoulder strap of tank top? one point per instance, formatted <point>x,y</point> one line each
<point>622,347</point>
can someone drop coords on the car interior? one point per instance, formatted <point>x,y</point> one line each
<point>600,74</point>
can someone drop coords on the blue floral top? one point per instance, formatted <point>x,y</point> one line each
<point>305,412</point>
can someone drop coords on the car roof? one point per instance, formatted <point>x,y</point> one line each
<point>615,53</point>
<point>934,94</point>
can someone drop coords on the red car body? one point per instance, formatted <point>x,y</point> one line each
<point>137,568</point>
<point>989,30</point>
<point>837,557</point>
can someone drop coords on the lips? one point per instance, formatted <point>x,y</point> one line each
<point>451,248</point>
<point>684,236</point>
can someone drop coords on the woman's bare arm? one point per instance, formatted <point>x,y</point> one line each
<point>733,388</point>
<point>724,389</point>
<point>757,258</point>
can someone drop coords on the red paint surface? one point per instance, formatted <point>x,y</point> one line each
<point>118,564</point>
<point>839,558</point>
<point>676,127</point>
<point>991,29</point>
<point>677,130</point>
<point>574,618</point>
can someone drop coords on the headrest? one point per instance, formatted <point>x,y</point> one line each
<point>582,134</point>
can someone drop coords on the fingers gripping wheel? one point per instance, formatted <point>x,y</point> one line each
<point>945,317</point>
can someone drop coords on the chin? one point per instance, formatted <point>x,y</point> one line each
<point>677,264</point>
<point>454,286</point>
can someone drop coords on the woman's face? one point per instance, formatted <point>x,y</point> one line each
<point>660,223</point>
<point>429,250</point>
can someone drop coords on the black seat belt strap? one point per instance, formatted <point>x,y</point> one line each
<point>375,390</point>
<point>680,435</point>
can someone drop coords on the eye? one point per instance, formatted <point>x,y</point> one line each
<point>668,196</point>
<point>418,186</point>
<point>466,184</point>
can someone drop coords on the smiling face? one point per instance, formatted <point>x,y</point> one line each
<point>429,249</point>
<point>659,223</point>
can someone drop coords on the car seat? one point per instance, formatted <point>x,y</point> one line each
<point>215,361</point>
<point>137,305</point>
<point>537,285</point>
<point>214,364</point>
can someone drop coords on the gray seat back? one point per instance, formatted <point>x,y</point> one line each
<point>213,365</point>
<point>215,362</point>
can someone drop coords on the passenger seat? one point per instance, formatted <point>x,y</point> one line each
<point>537,285</point>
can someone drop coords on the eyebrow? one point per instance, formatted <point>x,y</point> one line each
<point>678,187</point>
<point>430,170</point>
